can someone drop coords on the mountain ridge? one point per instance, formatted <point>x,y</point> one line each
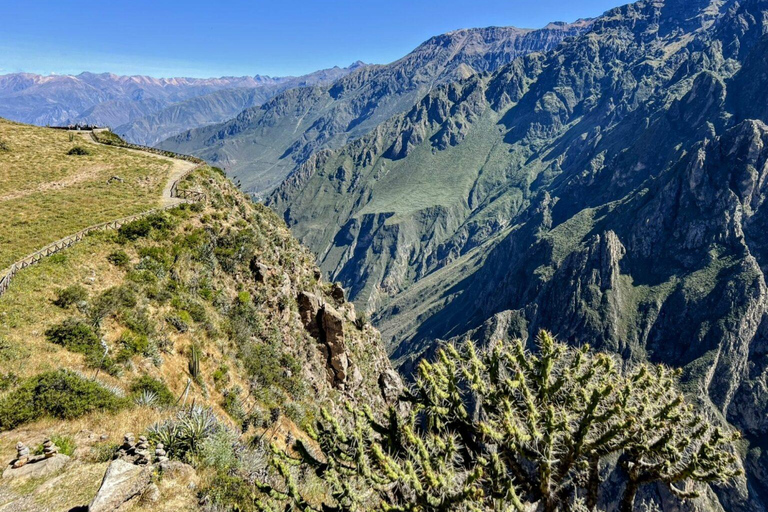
<point>606,190</point>
<point>137,105</point>
<point>281,134</point>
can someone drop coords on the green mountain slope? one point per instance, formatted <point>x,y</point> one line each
<point>610,189</point>
<point>211,305</point>
<point>263,145</point>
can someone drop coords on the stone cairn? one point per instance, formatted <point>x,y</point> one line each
<point>22,455</point>
<point>160,453</point>
<point>128,448</point>
<point>50,449</point>
<point>142,452</point>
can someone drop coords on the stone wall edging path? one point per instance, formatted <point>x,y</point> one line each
<point>171,197</point>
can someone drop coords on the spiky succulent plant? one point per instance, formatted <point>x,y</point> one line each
<point>504,427</point>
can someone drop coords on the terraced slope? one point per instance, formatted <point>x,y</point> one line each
<point>262,145</point>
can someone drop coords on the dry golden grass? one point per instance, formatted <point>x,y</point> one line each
<point>46,194</point>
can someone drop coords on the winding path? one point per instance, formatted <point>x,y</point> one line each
<point>171,197</point>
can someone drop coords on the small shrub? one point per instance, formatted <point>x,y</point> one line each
<point>110,301</point>
<point>269,366</point>
<point>8,380</point>
<point>4,147</point>
<point>79,151</point>
<point>66,445</point>
<point>147,384</point>
<point>59,258</point>
<point>138,321</point>
<point>219,451</point>
<point>179,321</point>
<point>74,335</point>
<point>101,453</point>
<point>12,351</point>
<point>130,344</point>
<point>119,259</point>
<point>142,228</point>
<point>221,376</point>
<point>244,298</point>
<point>60,394</point>
<point>233,404</point>
<point>71,295</point>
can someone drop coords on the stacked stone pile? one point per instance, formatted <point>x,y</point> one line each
<point>50,449</point>
<point>22,455</point>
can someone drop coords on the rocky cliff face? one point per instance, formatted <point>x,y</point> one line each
<point>263,145</point>
<point>609,190</point>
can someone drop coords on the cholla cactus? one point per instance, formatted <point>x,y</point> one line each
<point>499,428</point>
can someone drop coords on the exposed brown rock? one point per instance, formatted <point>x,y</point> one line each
<point>122,482</point>
<point>333,328</point>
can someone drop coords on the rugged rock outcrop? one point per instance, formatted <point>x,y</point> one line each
<point>609,190</point>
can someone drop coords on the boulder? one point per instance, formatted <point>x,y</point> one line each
<point>390,385</point>
<point>309,309</point>
<point>337,293</point>
<point>122,482</point>
<point>37,467</point>
<point>259,271</point>
<point>333,328</point>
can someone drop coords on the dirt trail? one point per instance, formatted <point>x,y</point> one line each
<point>178,168</point>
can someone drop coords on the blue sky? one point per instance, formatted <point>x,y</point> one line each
<point>239,37</point>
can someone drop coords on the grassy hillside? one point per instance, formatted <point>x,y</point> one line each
<point>198,305</point>
<point>46,193</point>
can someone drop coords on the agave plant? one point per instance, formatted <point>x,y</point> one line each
<point>184,434</point>
<point>147,398</point>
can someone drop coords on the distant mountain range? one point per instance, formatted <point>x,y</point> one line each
<point>144,109</point>
<point>264,144</point>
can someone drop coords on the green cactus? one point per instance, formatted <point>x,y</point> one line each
<point>502,427</point>
<point>194,363</point>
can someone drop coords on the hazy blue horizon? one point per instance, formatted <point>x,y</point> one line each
<point>239,38</point>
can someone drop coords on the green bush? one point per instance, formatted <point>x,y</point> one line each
<point>59,394</point>
<point>130,344</point>
<point>180,321</point>
<point>8,380</point>
<point>142,228</point>
<point>70,295</point>
<point>233,404</point>
<point>4,146</point>
<point>119,259</point>
<point>163,395</point>
<point>195,310</point>
<point>269,366</point>
<point>75,336</point>
<point>66,445</point>
<point>111,300</point>
<point>79,151</point>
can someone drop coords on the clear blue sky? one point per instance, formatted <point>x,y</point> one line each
<point>240,37</point>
